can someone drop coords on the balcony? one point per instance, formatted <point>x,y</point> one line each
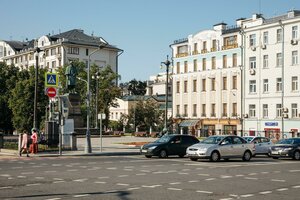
<point>195,52</point>
<point>179,55</point>
<point>204,51</point>
<point>234,115</point>
<point>213,49</point>
<point>230,46</point>
<point>224,114</point>
<point>203,115</point>
<point>213,114</point>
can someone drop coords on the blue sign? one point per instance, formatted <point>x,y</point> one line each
<point>51,80</point>
<point>271,123</point>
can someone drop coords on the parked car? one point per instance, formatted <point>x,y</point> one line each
<point>286,148</point>
<point>168,145</point>
<point>262,144</point>
<point>221,147</point>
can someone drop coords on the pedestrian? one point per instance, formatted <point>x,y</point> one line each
<point>34,138</point>
<point>25,143</point>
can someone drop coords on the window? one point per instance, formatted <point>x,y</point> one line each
<point>213,62</point>
<point>278,59</point>
<point>265,61</point>
<point>213,110</point>
<point>252,40</point>
<point>214,45</point>
<point>185,85</point>
<point>195,48</point>
<point>58,50</point>
<point>278,110</point>
<point>279,35</point>
<point>204,46</point>
<point>203,110</point>
<point>265,85</point>
<point>177,110</point>
<point>53,64</point>
<point>252,62</point>
<point>53,52</point>
<point>185,66</point>
<point>195,65</point>
<point>278,84</point>
<point>203,85</point>
<point>224,61</point>
<point>73,50</point>
<point>294,110</point>
<point>265,111</point>
<point>86,52</point>
<point>294,83</point>
<point>225,83</point>
<point>252,110</point>
<point>234,109</point>
<point>185,110</point>
<point>295,32</point>
<point>213,84</point>
<point>252,86</point>
<point>265,38</point>
<point>234,82</point>
<point>203,64</point>
<point>194,85</point>
<point>194,110</point>
<point>234,60</point>
<point>294,57</point>
<point>178,67</point>
<point>224,114</point>
<point>177,87</point>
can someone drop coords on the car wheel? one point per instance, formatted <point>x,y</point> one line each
<point>193,159</point>
<point>247,156</point>
<point>147,156</point>
<point>275,157</point>
<point>296,155</point>
<point>163,154</point>
<point>215,156</point>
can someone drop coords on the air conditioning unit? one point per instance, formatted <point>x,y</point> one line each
<point>285,115</point>
<point>294,41</point>
<point>263,46</point>
<point>285,110</point>
<point>252,71</point>
<point>245,115</point>
<point>253,48</point>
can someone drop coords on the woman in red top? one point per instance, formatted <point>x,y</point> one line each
<point>34,139</point>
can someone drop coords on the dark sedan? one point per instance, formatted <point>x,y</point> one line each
<point>286,148</point>
<point>169,145</point>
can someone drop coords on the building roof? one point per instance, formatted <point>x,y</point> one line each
<point>17,45</point>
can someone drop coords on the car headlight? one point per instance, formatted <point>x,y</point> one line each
<point>288,149</point>
<point>151,148</point>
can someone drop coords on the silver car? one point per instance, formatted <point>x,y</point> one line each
<point>262,144</point>
<point>221,147</point>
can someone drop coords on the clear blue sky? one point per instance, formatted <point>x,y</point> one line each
<point>144,29</point>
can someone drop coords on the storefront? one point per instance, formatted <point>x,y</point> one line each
<point>189,126</point>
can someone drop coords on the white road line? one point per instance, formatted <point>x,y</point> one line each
<point>277,180</point>
<point>151,186</point>
<point>205,192</point>
<point>184,170</point>
<point>6,187</point>
<point>100,182</point>
<point>203,174</point>
<point>50,171</point>
<point>264,172</point>
<point>252,174</point>
<point>296,186</point>
<point>58,179</point>
<point>122,184</point>
<point>193,181</point>
<point>5,175</point>
<point>25,173</point>
<point>21,176</point>
<point>56,165</point>
<point>239,175</point>
<point>175,189</point>
<point>175,183</point>
<point>183,173</point>
<point>266,192</point>
<point>33,184</point>
<point>103,177</point>
<point>226,199</point>
<point>80,180</point>
<point>223,176</point>
<point>250,178</point>
<point>210,179</point>
<point>140,174</point>
<point>53,199</point>
<point>54,182</point>
<point>294,170</point>
<point>81,195</point>
<point>282,189</point>
<point>247,195</point>
<point>122,176</point>
<point>136,188</point>
<point>111,168</point>
<point>17,167</point>
<point>38,177</point>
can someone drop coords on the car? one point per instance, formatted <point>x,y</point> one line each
<point>169,144</point>
<point>221,147</point>
<point>289,148</point>
<point>262,144</point>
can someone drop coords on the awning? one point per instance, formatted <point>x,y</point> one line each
<point>188,123</point>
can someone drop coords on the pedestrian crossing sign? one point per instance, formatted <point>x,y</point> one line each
<point>51,80</point>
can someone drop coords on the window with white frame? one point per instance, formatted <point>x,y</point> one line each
<point>279,59</point>
<point>195,85</point>
<point>278,110</point>
<point>265,37</point>
<point>73,50</point>
<point>295,32</point>
<point>279,35</point>
<point>252,40</point>
<point>178,67</point>
<point>252,62</point>
<point>266,85</point>
<point>294,57</point>
<point>294,110</point>
<point>265,111</point>
<point>177,110</point>
<point>265,61</point>
<point>252,110</point>
<point>185,85</point>
<point>194,110</point>
<point>252,86</point>
<point>279,84</point>
<point>294,83</point>
<point>203,110</point>
<point>185,112</point>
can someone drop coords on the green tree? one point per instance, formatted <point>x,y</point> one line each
<point>137,87</point>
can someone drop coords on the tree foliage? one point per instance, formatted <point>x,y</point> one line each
<point>135,87</point>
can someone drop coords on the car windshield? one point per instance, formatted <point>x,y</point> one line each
<point>163,139</point>
<point>212,140</point>
<point>248,139</point>
<point>286,141</point>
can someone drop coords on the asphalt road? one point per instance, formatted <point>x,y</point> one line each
<point>135,177</point>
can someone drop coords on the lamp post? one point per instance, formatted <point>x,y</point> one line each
<point>167,63</point>
<point>96,77</point>
<point>37,51</point>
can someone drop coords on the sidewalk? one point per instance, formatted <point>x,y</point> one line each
<point>110,146</point>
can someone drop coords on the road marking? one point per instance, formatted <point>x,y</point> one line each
<point>5,175</point>
<point>247,195</point>
<point>193,181</point>
<point>38,177</point>
<point>226,199</point>
<point>122,176</point>
<point>151,186</point>
<point>140,174</point>
<point>136,188</point>
<point>266,192</point>
<point>223,176</point>
<point>210,179</point>
<point>111,168</point>
<point>203,174</point>
<point>183,173</point>
<point>264,172</point>
<point>252,174</point>
<point>175,189</point>
<point>33,184</point>
<point>50,171</point>
<point>296,186</point>
<point>239,175</point>
<point>294,170</point>
<point>21,176</point>
<point>58,179</point>
<point>54,182</point>
<point>184,170</point>
<point>56,165</point>
<point>81,195</point>
<point>122,184</point>
<point>103,177</point>
<point>17,167</point>
<point>277,180</point>
<point>53,199</point>
<point>80,180</point>
<point>25,173</point>
<point>100,182</point>
<point>205,192</point>
<point>250,178</point>
<point>6,187</point>
<point>282,189</point>
<point>175,183</point>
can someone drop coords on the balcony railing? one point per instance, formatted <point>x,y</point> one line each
<point>195,52</point>
<point>224,114</point>
<point>213,49</point>
<point>230,46</point>
<point>204,51</point>
<point>213,114</point>
<point>179,55</point>
<point>203,115</point>
<point>234,114</point>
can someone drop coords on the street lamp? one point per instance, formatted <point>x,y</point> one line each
<point>167,63</point>
<point>96,77</point>
<point>37,51</point>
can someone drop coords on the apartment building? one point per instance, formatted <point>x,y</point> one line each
<point>58,50</point>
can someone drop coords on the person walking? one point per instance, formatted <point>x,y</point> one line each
<point>25,143</point>
<point>34,138</point>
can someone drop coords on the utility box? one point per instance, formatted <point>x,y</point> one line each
<point>52,133</point>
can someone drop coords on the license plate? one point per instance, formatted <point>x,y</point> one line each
<point>144,151</point>
<point>275,152</point>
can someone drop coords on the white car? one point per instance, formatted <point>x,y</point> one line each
<point>262,144</point>
<point>221,147</point>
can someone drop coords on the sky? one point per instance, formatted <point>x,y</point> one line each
<point>144,29</point>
